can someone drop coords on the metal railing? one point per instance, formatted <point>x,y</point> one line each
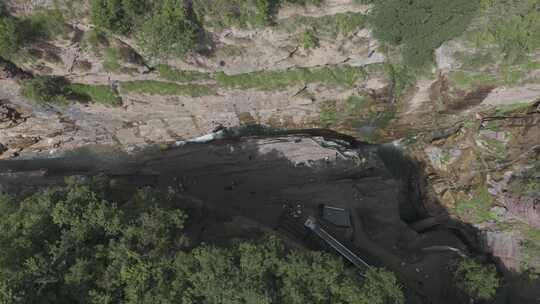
<point>312,224</point>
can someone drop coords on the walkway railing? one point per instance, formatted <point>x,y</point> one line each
<point>312,224</point>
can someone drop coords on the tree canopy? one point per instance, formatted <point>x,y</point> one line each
<point>169,31</point>
<point>119,16</point>
<point>420,26</point>
<point>73,245</point>
<point>163,28</point>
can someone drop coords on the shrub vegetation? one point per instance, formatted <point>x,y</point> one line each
<point>306,2</point>
<point>242,13</point>
<point>238,13</point>
<point>169,31</point>
<point>17,32</point>
<point>46,89</point>
<point>163,28</point>
<point>112,59</point>
<point>43,24</point>
<point>512,25</point>
<point>10,38</point>
<point>343,76</point>
<point>154,87</point>
<point>172,74</point>
<point>420,26</point>
<point>310,39</point>
<point>101,94</point>
<point>402,78</point>
<point>478,281</point>
<point>57,90</point>
<point>119,16</point>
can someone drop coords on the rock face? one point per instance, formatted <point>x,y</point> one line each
<point>486,173</point>
<point>8,70</point>
<point>525,204</point>
<point>505,246</point>
<point>9,116</point>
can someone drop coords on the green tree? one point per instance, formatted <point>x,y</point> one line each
<point>380,287</point>
<point>109,14</point>
<point>477,280</point>
<point>120,16</point>
<point>169,31</point>
<point>10,39</point>
<point>137,9</point>
<point>70,245</point>
<point>269,273</point>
